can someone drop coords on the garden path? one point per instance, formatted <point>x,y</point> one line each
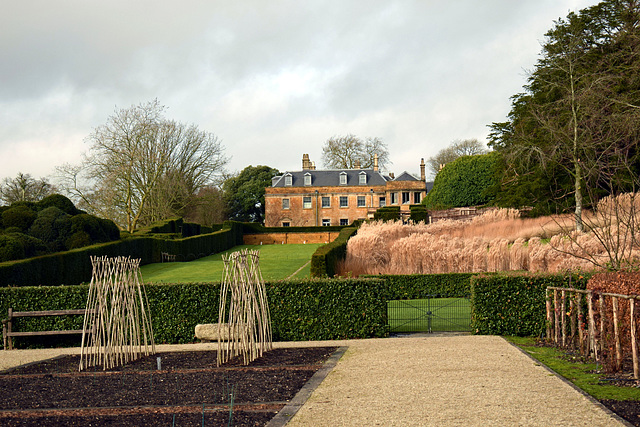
<point>425,380</point>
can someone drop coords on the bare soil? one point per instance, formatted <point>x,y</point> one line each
<point>188,389</point>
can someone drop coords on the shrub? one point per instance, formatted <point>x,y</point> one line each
<point>18,215</point>
<point>59,201</point>
<point>17,246</point>
<point>52,226</point>
<point>463,182</point>
<point>387,213</point>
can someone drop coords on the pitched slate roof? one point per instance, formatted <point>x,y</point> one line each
<point>406,176</point>
<point>329,178</point>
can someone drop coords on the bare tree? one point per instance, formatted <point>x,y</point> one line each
<point>134,163</point>
<point>458,148</point>
<point>345,152</point>
<point>24,188</point>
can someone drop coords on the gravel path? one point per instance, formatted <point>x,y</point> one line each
<point>439,380</point>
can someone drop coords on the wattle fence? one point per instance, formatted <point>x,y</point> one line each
<point>600,325</point>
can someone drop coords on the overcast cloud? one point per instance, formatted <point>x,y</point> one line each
<point>272,80</point>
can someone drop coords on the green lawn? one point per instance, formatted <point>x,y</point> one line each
<point>276,262</point>
<point>436,314</point>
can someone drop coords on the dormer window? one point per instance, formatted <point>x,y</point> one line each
<point>288,180</point>
<point>362,179</point>
<point>343,178</point>
<point>307,179</point>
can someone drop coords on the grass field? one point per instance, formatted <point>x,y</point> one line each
<point>276,262</point>
<point>430,315</point>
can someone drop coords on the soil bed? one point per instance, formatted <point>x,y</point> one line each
<point>188,388</point>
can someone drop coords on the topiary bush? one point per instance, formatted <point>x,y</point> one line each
<point>463,182</point>
<point>20,216</point>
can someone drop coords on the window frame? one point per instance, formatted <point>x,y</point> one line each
<point>328,199</point>
<point>326,222</point>
<point>288,180</point>
<point>343,178</point>
<point>362,178</point>
<point>362,199</point>
<point>288,203</point>
<point>307,179</point>
<point>344,221</point>
<point>346,200</point>
<point>307,202</point>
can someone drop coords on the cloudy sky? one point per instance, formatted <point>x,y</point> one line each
<point>272,80</point>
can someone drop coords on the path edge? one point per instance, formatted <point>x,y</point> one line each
<point>286,413</point>
<point>572,385</point>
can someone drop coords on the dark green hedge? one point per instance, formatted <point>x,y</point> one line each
<point>74,267</point>
<point>514,304</point>
<point>415,286</point>
<point>326,257</point>
<point>387,213</point>
<point>300,310</point>
<point>418,213</point>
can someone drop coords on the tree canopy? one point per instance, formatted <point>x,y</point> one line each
<point>458,148</point>
<point>345,152</point>
<point>244,193</point>
<point>24,188</point>
<point>576,123</point>
<point>142,167</point>
<point>463,182</point>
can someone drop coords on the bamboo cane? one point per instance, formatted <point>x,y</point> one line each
<point>547,298</point>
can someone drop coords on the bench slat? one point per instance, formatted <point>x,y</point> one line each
<point>46,313</point>
<point>33,333</point>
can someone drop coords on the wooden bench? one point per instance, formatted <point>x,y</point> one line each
<point>8,333</point>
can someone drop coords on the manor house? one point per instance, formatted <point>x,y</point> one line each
<point>313,197</point>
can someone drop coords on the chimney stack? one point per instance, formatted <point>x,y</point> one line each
<point>306,165</point>
<point>423,177</point>
<point>357,164</point>
<point>375,162</point>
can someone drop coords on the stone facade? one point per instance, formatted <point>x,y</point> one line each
<point>337,197</point>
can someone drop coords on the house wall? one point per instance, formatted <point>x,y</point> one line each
<point>297,215</point>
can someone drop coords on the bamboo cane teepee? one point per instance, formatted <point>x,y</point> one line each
<point>243,309</point>
<point>117,325</point>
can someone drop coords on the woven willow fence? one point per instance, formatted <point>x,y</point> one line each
<point>243,316</point>
<point>600,325</point>
<point>116,315</point>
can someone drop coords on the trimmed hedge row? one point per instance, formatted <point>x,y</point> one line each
<point>72,267</point>
<point>325,259</point>
<point>514,304</point>
<point>416,286</point>
<point>300,310</point>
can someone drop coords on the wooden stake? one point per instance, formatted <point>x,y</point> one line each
<point>634,343</point>
<point>616,334</point>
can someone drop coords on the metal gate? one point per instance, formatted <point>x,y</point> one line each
<point>429,314</point>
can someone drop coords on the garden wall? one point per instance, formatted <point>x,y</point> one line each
<point>289,238</point>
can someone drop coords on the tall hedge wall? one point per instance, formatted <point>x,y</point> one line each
<point>300,310</point>
<point>74,267</point>
<point>325,259</point>
<point>514,304</point>
<point>415,286</point>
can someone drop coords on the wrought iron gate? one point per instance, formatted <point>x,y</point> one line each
<point>429,314</point>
